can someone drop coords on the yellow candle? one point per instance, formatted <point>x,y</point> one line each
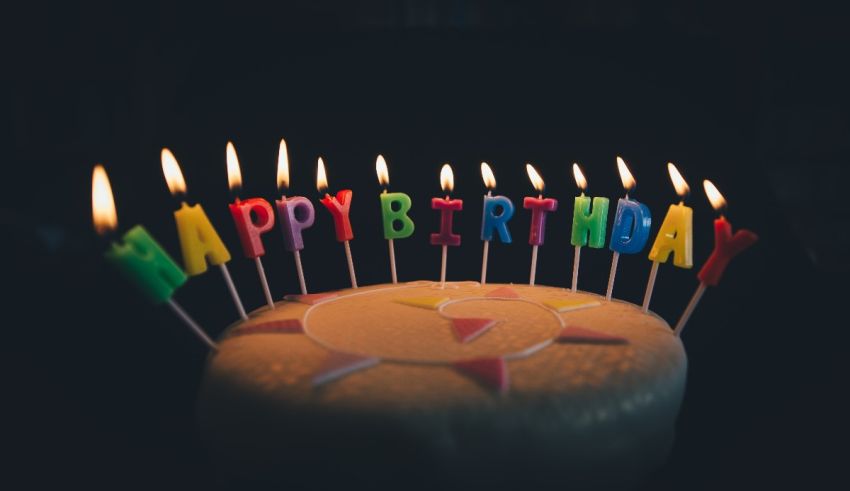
<point>675,236</point>
<point>198,240</point>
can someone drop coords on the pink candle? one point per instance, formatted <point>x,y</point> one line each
<point>249,229</point>
<point>539,208</point>
<point>447,207</point>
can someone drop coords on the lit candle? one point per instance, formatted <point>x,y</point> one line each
<point>675,236</point>
<point>394,208</point>
<point>139,257</point>
<point>588,226</point>
<point>295,213</point>
<point>338,206</point>
<point>252,217</point>
<point>539,207</point>
<point>632,222</point>
<point>496,213</point>
<point>199,241</point>
<point>726,247</point>
<point>447,206</point>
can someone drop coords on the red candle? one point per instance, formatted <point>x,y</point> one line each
<point>726,246</point>
<point>447,207</point>
<point>338,206</point>
<point>539,207</point>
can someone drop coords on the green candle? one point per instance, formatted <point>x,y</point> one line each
<point>394,208</point>
<point>589,228</point>
<point>144,263</point>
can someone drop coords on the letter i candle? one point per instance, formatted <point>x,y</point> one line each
<point>447,206</point>
<point>338,206</point>
<point>249,229</point>
<point>588,227</point>
<point>632,222</point>
<point>394,208</point>
<point>726,247</point>
<point>496,213</point>
<point>199,241</point>
<point>139,257</point>
<point>295,214</point>
<point>675,236</point>
<point>539,207</point>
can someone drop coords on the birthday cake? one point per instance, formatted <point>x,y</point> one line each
<point>414,385</point>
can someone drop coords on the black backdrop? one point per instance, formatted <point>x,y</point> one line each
<point>100,386</point>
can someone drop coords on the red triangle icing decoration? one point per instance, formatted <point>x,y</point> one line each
<point>468,328</point>
<point>490,372</point>
<point>310,298</point>
<point>282,326</point>
<point>575,334</point>
<point>338,365</point>
<point>503,292</point>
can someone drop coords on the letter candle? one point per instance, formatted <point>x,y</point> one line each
<point>199,241</point>
<point>675,235</point>
<point>726,246</point>
<point>249,229</point>
<point>632,222</point>
<point>295,213</point>
<point>338,206</point>
<point>140,258</point>
<point>492,220</point>
<point>445,237</point>
<point>394,208</point>
<point>539,206</point>
<point>588,227</point>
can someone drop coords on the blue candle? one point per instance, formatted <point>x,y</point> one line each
<point>631,227</point>
<point>498,210</point>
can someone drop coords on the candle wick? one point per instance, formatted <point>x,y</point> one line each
<point>540,196</point>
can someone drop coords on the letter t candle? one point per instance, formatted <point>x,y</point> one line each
<point>338,206</point>
<point>539,207</point>
<point>445,237</point>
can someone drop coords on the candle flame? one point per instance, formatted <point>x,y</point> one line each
<point>581,182</point>
<point>383,172</point>
<point>282,166</point>
<point>535,178</point>
<point>487,175</point>
<point>625,175</point>
<point>102,203</point>
<point>172,173</point>
<point>682,188</point>
<point>447,178</point>
<point>321,177</point>
<point>234,173</point>
<point>718,202</point>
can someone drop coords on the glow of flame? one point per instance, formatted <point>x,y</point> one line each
<point>282,166</point>
<point>383,172</point>
<point>487,175</point>
<point>581,182</point>
<point>535,178</point>
<point>447,178</point>
<point>718,202</point>
<point>172,173</point>
<point>234,173</point>
<point>625,175</point>
<point>102,203</point>
<point>321,176</point>
<point>682,188</point>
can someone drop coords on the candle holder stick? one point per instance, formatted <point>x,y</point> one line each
<point>443,266</point>
<point>296,254</point>
<point>193,326</point>
<point>650,285</point>
<point>484,262</point>
<point>350,264</point>
<point>576,259</point>
<point>686,315</point>
<point>615,258</point>
<point>264,281</point>
<point>233,293</point>
<point>392,261</point>
<point>533,273</point>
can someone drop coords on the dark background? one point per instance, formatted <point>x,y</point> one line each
<point>100,386</point>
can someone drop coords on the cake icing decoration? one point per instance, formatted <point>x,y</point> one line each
<point>468,328</point>
<point>576,334</point>
<point>490,372</point>
<point>568,304</point>
<point>282,326</point>
<point>338,365</point>
<point>503,292</point>
<point>423,302</point>
<point>310,298</point>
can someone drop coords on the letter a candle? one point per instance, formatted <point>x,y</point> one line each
<point>248,228</point>
<point>726,246</point>
<point>539,207</point>
<point>338,206</point>
<point>295,214</point>
<point>631,225</point>
<point>445,237</point>
<point>675,236</point>
<point>497,211</point>
<point>588,227</point>
<point>199,241</point>
<point>139,257</point>
<point>394,208</point>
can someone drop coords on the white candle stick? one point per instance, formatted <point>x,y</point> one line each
<point>443,266</point>
<point>650,285</point>
<point>264,281</point>
<point>193,326</point>
<point>680,326</point>
<point>350,265</point>
<point>484,262</point>
<point>392,261</point>
<point>576,259</point>
<point>615,258</point>
<point>297,255</point>
<point>233,293</point>
<point>533,272</point>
